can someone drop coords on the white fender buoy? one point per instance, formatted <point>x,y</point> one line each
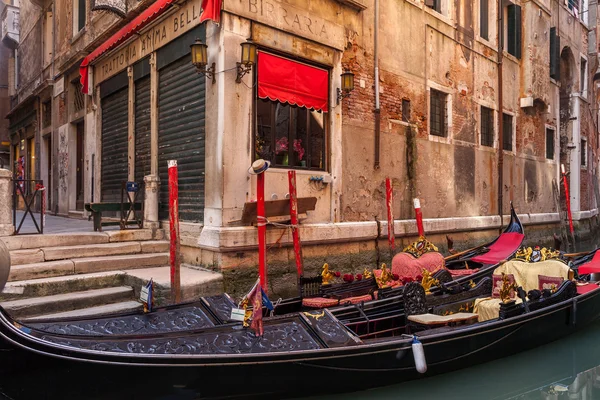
<point>419,355</point>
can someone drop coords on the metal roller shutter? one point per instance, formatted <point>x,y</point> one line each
<point>142,128</point>
<point>181,137</point>
<point>114,144</point>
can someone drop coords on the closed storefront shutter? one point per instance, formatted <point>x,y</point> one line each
<point>142,128</point>
<point>114,144</point>
<point>181,136</point>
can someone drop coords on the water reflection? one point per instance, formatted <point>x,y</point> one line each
<point>566,369</point>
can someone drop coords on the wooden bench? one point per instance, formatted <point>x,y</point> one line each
<point>275,208</point>
<point>122,208</point>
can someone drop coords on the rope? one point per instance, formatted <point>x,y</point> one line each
<point>263,221</point>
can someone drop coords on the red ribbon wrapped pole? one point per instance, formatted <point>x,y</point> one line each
<point>174,256</point>
<point>565,183</point>
<point>389,195</point>
<point>417,205</point>
<point>294,221</point>
<point>262,230</point>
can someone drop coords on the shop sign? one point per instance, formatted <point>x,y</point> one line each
<point>313,25</point>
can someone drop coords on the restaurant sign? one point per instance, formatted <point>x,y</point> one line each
<point>177,23</point>
<point>311,25</point>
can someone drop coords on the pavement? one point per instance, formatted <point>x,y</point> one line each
<point>56,224</point>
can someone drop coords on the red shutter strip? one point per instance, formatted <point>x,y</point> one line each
<point>287,81</point>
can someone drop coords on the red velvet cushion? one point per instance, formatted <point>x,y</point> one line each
<point>583,289</point>
<point>407,266</point>
<point>462,272</point>
<point>319,302</point>
<point>592,267</point>
<point>356,299</point>
<point>549,282</point>
<point>497,284</point>
<point>502,248</point>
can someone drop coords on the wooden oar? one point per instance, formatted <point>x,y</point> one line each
<point>457,255</point>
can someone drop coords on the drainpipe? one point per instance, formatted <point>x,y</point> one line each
<point>377,107</point>
<point>500,124</point>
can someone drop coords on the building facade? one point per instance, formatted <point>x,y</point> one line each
<point>431,94</point>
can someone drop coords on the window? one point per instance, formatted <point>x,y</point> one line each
<point>550,144</point>
<point>573,6</point>
<point>48,38</point>
<point>435,5</point>
<point>487,127</point>
<point>437,113</point>
<point>583,153</point>
<point>483,19</point>
<point>583,76</point>
<point>513,30</point>
<point>79,15</point>
<point>289,135</point>
<point>405,110</point>
<point>554,55</point>
<point>507,132</point>
<point>78,96</point>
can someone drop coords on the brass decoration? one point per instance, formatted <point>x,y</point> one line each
<point>507,286</point>
<point>315,316</point>
<point>472,284</point>
<point>385,277</point>
<point>420,247</point>
<point>367,274</point>
<point>326,275</point>
<point>536,254</point>
<point>428,281</point>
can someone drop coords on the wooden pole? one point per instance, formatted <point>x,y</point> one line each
<point>565,183</point>
<point>420,228</point>
<point>294,221</point>
<point>174,255</point>
<point>389,195</point>
<point>262,229</point>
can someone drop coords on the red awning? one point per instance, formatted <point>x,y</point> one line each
<point>287,81</point>
<point>147,16</point>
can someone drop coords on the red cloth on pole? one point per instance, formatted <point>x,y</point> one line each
<point>390,213</point>
<point>147,16</point>
<point>211,9</point>
<point>174,231</point>
<point>255,298</point>
<point>294,221</point>
<point>262,229</point>
<point>292,82</point>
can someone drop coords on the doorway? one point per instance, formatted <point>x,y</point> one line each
<point>79,183</point>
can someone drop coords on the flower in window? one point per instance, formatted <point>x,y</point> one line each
<point>281,145</point>
<point>298,148</point>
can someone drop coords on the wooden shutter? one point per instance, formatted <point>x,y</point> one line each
<point>514,30</point>
<point>483,19</point>
<point>554,54</point>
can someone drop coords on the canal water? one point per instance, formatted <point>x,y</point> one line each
<point>566,369</point>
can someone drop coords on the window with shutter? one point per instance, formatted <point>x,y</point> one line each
<point>507,132</point>
<point>437,113</point>
<point>487,127</point>
<point>435,5</point>
<point>514,30</point>
<point>550,144</point>
<point>583,153</point>
<point>554,55</point>
<point>483,19</point>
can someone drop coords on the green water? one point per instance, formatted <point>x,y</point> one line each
<point>566,369</point>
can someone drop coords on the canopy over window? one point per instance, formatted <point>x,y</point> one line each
<point>287,81</point>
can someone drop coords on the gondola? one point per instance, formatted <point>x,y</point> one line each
<point>308,352</point>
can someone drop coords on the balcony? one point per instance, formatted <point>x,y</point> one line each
<point>10,26</point>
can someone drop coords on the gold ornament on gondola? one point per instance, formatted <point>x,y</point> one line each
<point>367,274</point>
<point>536,254</point>
<point>507,287</point>
<point>385,277</point>
<point>420,247</point>
<point>428,281</point>
<point>326,275</point>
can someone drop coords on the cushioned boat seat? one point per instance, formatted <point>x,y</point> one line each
<point>356,299</point>
<point>433,319</point>
<point>319,302</point>
<point>462,272</point>
<point>489,308</point>
<point>405,265</point>
<point>526,274</point>
<point>502,248</point>
<point>592,267</point>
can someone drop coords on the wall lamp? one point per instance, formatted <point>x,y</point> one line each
<point>347,86</point>
<point>200,59</point>
<point>248,60</point>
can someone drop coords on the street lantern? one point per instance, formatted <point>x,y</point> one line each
<point>248,59</point>
<point>347,86</point>
<point>200,59</point>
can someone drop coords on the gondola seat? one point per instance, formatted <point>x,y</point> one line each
<point>320,302</point>
<point>526,275</point>
<point>501,249</point>
<point>405,265</point>
<point>462,272</point>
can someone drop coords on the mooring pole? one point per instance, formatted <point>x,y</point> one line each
<point>389,196</point>
<point>566,184</point>
<point>420,228</point>
<point>261,221</point>
<point>174,256</point>
<point>294,221</point>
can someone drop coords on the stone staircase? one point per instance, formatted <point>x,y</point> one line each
<point>80,274</point>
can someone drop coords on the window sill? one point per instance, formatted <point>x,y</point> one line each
<point>79,34</point>
<point>511,57</point>
<point>439,139</point>
<point>445,19</point>
<point>486,43</point>
<point>488,149</point>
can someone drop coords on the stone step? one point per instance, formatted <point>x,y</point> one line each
<point>41,270</point>
<point>79,238</point>
<point>122,307</point>
<point>67,302</point>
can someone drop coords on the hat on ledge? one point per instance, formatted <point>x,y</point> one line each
<point>259,166</point>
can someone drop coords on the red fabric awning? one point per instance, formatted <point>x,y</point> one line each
<point>292,82</point>
<point>147,16</point>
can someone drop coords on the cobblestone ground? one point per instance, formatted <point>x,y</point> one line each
<point>56,224</point>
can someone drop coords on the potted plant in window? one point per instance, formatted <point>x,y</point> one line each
<point>281,151</point>
<point>300,150</point>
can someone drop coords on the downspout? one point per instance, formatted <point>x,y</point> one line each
<point>500,124</point>
<point>377,107</point>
